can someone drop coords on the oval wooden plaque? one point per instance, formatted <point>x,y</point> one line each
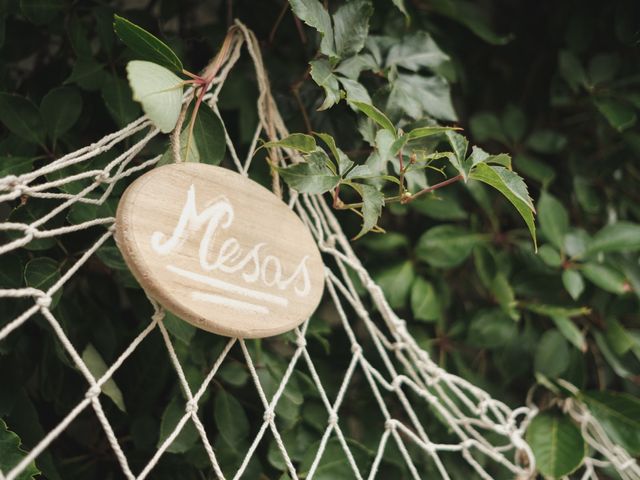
<point>219,250</point>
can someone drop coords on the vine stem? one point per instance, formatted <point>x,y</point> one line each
<point>338,205</point>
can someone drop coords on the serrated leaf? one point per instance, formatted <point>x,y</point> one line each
<point>557,444</point>
<point>417,96</point>
<point>416,51</point>
<point>148,46</point>
<point>372,203</point>
<point>98,368</point>
<point>296,141</point>
<point>158,90</point>
<point>344,162</point>
<point>351,26</point>
<point>11,454</point>
<point>60,110</point>
<point>313,14</point>
<point>308,178</point>
<point>22,117</point>
<point>322,74</point>
<point>376,115</point>
<point>511,186</point>
<point>231,419</point>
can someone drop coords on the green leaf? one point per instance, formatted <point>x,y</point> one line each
<point>334,464</point>
<point>424,301</point>
<point>619,414</point>
<point>550,256</point>
<point>416,51</point>
<point>376,115</point>
<point>572,70</point>
<point>87,73</point>
<point>372,203</point>
<point>396,282</point>
<point>170,418</point>
<point>491,329</point>
<point>418,96</point>
<point>351,26</point>
<point>552,354</point>
<point>98,368</point>
<point>553,218</point>
<point>486,126</point>
<point>618,337</point>
<point>208,136</point>
<point>60,109</point>
<point>421,132</point>
<point>148,46</point>
<point>313,14</point>
<point>180,329</point>
<point>570,332</point>
<point>119,101</point>
<point>459,145</point>
<point>231,419</point>
<point>547,141</point>
<point>354,90</point>
<point>322,74</point>
<point>22,117</point>
<point>511,186</point>
<point>11,454</point>
<point>296,141</point>
<point>503,292</point>
<point>620,236</point>
<point>309,178</point>
<point>557,444</point>
<point>41,12</point>
<point>514,123</point>
<point>15,165</point>
<point>158,90</point>
<point>42,273</point>
<point>344,162</point>
<point>447,246</point>
<point>573,283</point>
<point>620,115</point>
<point>605,277</point>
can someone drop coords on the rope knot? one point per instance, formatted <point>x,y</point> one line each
<point>30,231</point>
<point>102,177</point>
<point>269,415</point>
<point>356,349</point>
<point>43,301</point>
<point>191,406</point>
<point>93,392</point>
<point>333,419</point>
<point>301,342</point>
<point>390,424</point>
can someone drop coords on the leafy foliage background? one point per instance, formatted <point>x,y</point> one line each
<point>553,84</point>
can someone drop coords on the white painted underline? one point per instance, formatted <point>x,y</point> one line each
<point>229,287</point>
<point>229,302</point>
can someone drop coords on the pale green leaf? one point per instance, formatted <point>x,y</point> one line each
<point>351,26</point>
<point>98,368</point>
<point>376,115</point>
<point>313,14</point>
<point>573,283</point>
<point>605,277</point>
<point>296,141</point>
<point>158,90</point>
<point>416,51</point>
<point>308,178</point>
<point>322,74</point>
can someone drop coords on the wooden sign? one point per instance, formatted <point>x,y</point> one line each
<point>219,250</point>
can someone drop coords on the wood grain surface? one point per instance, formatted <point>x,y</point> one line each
<point>219,250</point>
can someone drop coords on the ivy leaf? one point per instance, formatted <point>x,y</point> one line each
<point>619,414</point>
<point>158,90</point>
<point>313,14</point>
<point>60,110</point>
<point>323,75</point>
<point>376,115</point>
<point>557,444</point>
<point>22,117</point>
<point>148,46</point>
<point>553,218</point>
<point>416,51</point>
<point>309,178</point>
<point>98,368</point>
<point>11,454</point>
<point>351,26</point>
<point>372,203</point>
<point>620,236</point>
<point>230,418</point>
<point>511,186</point>
<point>296,141</point>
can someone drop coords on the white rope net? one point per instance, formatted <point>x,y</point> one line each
<point>390,368</point>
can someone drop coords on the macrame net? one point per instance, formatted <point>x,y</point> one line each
<point>480,432</point>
